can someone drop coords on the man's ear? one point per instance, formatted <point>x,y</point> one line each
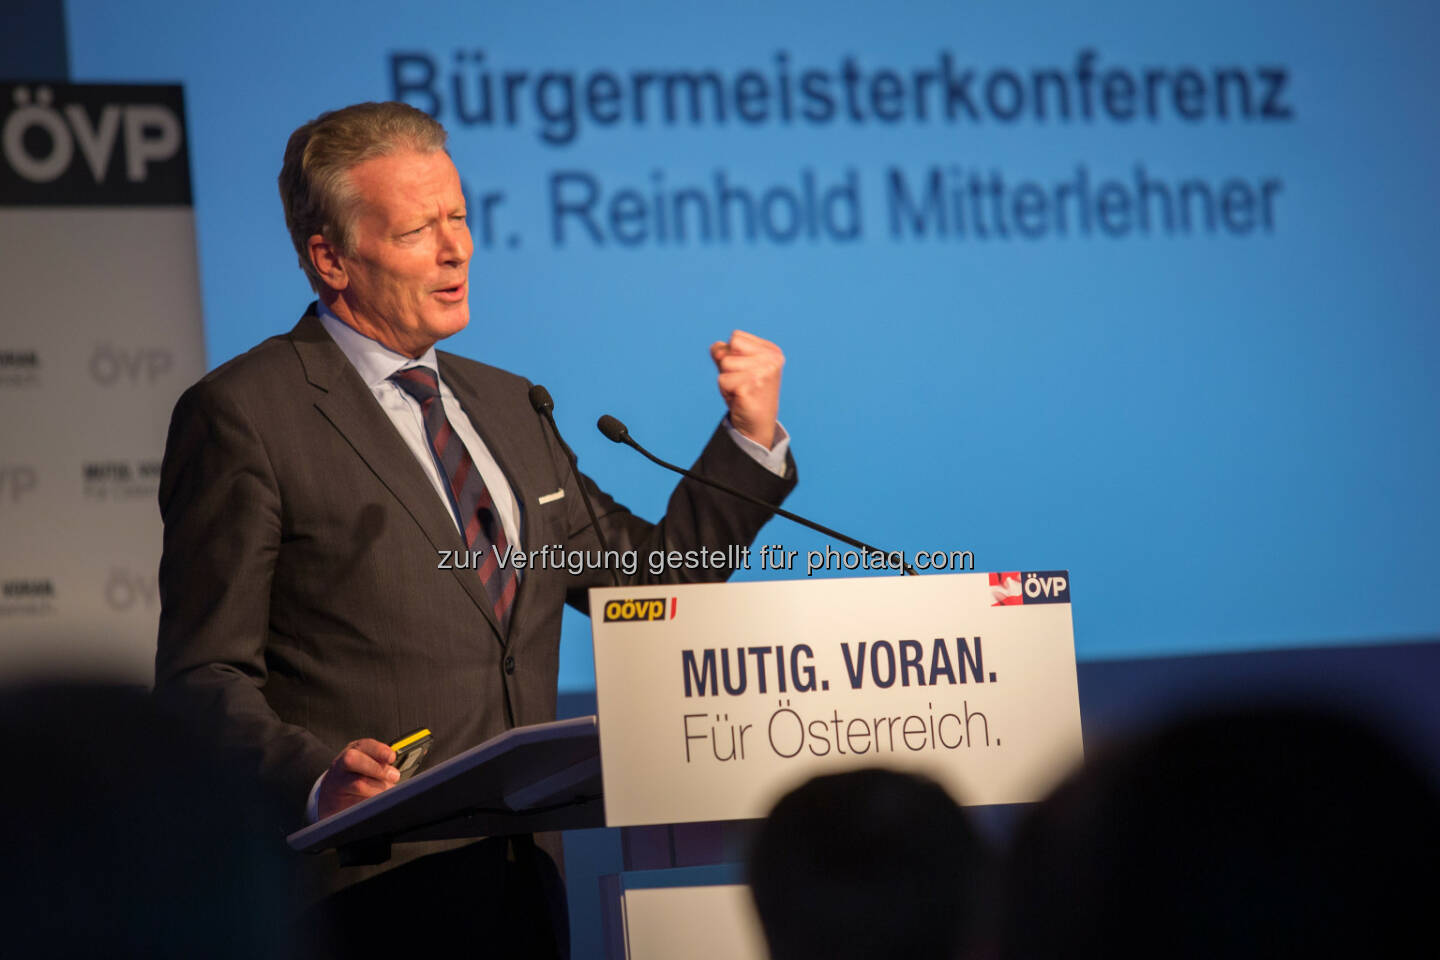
<point>328,262</point>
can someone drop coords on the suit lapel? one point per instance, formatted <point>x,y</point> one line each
<point>351,408</point>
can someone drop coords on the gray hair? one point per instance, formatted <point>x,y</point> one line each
<point>315,185</point>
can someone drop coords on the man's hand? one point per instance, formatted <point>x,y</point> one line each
<point>750,383</point>
<point>362,770</point>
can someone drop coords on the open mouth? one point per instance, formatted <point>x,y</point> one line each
<point>452,294</point>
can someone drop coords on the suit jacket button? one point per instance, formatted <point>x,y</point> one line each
<point>509,664</point>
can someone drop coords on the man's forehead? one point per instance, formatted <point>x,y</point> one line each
<point>406,178</point>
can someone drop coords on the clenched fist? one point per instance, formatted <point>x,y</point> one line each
<point>750,383</point>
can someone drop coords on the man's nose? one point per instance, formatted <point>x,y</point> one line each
<point>455,243</point>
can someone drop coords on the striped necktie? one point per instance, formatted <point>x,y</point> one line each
<point>484,536</point>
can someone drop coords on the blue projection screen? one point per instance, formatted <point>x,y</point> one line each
<point>1138,290</point>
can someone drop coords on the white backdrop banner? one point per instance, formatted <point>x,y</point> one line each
<point>101,333</point>
<point>716,699</point>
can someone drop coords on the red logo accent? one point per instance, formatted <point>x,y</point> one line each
<point>1005,589</point>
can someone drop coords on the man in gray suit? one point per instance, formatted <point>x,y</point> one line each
<point>311,486</point>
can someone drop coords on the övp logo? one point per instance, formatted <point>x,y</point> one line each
<point>89,144</point>
<point>127,589</point>
<point>152,133</point>
<point>1021,588</point>
<point>112,363</point>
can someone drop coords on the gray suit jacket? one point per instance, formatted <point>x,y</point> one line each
<point>302,607</point>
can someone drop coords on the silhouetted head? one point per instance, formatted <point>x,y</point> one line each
<point>1266,831</point>
<point>871,864</point>
<point>123,837</point>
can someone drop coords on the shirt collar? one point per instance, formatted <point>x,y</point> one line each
<point>374,361</point>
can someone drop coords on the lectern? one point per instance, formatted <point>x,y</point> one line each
<point>714,700</point>
<point>529,779</point>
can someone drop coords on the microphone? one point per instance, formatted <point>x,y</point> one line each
<point>617,432</point>
<point>545,407</point>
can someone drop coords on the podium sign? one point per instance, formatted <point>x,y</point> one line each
<point>716,699</point>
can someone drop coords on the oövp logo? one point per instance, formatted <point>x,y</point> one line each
<point>653,608</point>
<point>86,144</point>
